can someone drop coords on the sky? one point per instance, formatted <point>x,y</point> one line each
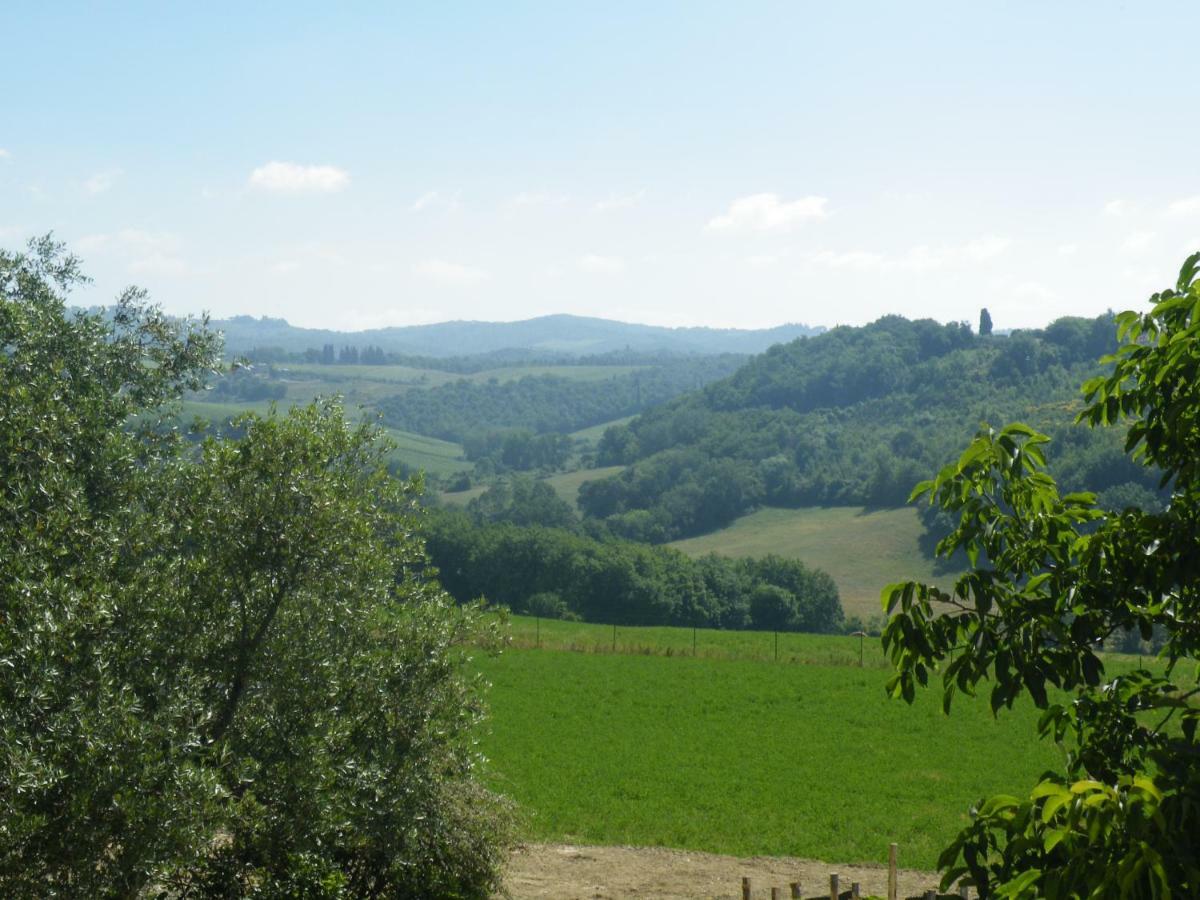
<point>359,165</point>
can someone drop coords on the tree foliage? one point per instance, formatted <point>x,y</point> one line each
<point>223,669</point>
<point>1053,576</point>
<point>850,417</point>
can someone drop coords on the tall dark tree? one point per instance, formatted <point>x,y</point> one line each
<point>985,322</point>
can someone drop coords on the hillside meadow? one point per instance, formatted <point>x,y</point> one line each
<point>862,549</point>
<point>741,756</point>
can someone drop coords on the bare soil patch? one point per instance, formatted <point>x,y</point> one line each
<point>571,872</point>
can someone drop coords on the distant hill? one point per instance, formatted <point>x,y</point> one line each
<point>855,417</point>
<point>557,335</point>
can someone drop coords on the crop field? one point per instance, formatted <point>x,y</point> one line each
<point>863,550</point>
<point>743,757</point>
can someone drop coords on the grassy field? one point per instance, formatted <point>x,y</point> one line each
<point>743,757</point>
<point>567,484</point>
<point>595,432</point>
<point>416,450</point>
<point>863,550</point>
<point>705,643</point>
<point>432,455</point>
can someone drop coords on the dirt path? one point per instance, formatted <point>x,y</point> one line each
<point>568,872</point>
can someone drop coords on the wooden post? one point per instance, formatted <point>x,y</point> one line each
<point>795,886</point>
<point>854,890</point>
<point>892,894</point>
<point>745,889</point>
<point>931,895</point>
<point>834,893</point>
<point>774,893</point>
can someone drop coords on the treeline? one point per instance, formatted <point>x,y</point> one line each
<point>854,416</point>
<point>460,410</point>
<point>563,573</point>
<point>466,364</point>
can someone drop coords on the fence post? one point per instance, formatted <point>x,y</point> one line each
<point>834,893</point>
<point>892,871</point>
<point>931,895</point>
<point>795,890</point>
<point>745,888</point>
<point>774,893</point>
<point>854,889</point>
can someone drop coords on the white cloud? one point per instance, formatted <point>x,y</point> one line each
<point>143,252</point>
<point>921,258</point>
<point>293,178</point>
<point>619,201</point>
<point>449,273</point>
<point>605,265</point>
<point>436,199</point>
<point>158,264</point>
<point>762,260</point>
<point>1138,241</point>
<point>285,266</point>
<point>853,259</point>
<point>766,212</point>
<point>4,154</point>
<point>101,181</point>
<point>1067,249</point>
<point>1033,290</point>
<point>1115,208</point>
<point>1188,206</point>
<point>985,248</point>
<point>540,198</point>
<point>130,242</point>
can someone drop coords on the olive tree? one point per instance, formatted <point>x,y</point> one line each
<point>225,668</point>
<point>1052,577</point>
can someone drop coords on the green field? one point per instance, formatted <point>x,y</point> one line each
<point>706,643</point>
<point>565,485</point>
<point>743,757</point>
<point>863,550</point>
<point>593,434</point>
<point>415,450</point>
<point>435,456</point>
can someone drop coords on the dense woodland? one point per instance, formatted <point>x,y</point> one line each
<point>855,416</point>
<point>562,573</point>
<point>548,403</point>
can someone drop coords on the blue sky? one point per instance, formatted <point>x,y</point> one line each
<point>735,164</point>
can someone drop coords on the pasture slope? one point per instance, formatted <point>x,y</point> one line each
<point>743,757</point>
<point>863,550</point>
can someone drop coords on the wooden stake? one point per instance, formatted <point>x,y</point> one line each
<point>892,893</point>
<point>834,893</point>
<point>774,893</point>
<point>854,890</point>
<point>795,885</point>
<point>745,889</point>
